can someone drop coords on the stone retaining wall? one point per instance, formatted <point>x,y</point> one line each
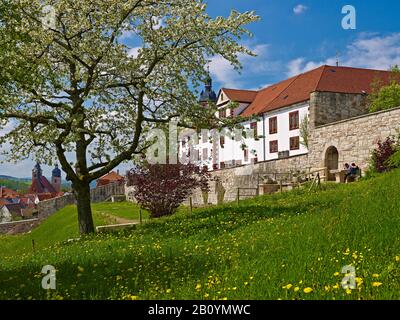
<point>49,207</point>
<point>248,177</point>
<point>8,226</point>
<point>353,138</point>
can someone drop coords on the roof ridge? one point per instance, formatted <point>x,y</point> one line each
<point>320,77</point>
<point>356,68</point>
<point>294,79</point>
<point>279,82</point>
<point>238,89</point>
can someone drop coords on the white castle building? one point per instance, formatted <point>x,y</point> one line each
<point>321,96</point>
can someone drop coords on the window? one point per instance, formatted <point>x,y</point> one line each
<point>205,154</point>
<point>204,137</point>
<point>273,146</point>
<point>246,155</point>
<point>253,126</point>
<point>232,112</point>
<point>196,155</point>
<point>222,113</point>
<point>222,165</point>
<point>294,122</point>
<point>222,141</point>
<point>294,143</point>
<point>273,125</point>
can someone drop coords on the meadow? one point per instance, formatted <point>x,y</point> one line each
<point>285,246</point>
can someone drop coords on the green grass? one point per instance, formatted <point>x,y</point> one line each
<point>123,210</point>
<point>250,251</point>
<point>64,225</point>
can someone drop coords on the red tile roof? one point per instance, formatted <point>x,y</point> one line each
<point>324,79</point>
<point>235,95</point>
<point>109,178</point>
<point>41,185</point>
<point>8,193</point>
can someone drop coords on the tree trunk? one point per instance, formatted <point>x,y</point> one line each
<point>85,218</point>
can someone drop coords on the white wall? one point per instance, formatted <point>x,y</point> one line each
<point>232,150</point>
<point>283,135</point>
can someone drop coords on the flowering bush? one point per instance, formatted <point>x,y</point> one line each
<point>380,157</point>
<point>161,188</point>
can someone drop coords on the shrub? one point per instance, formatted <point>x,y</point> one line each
<point>162,188</point>
<point>380,156</point>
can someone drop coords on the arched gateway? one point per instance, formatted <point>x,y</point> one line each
<point>332,161</point>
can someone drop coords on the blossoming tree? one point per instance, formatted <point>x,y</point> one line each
<point>73,90</point>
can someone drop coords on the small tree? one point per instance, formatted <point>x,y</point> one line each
<point>305,132</point>
<point>381,155</point>
<point>384,97</point>
<point>162,188</point>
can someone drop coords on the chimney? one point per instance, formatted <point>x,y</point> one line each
<point>118,171</point>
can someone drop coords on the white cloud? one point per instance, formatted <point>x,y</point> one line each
<point>367,51</point>
<point>228,77</point>
<point>300,9</point>
<point>134,52</point>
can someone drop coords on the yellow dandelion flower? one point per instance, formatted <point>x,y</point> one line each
<point>308,290</point>
<point>168,291</point>
<point>198,286</point>
<point>376,284</point>
<point>375,275</point>
<point>397,258</point>
<point>246,284</point>
<point>336,274</point>
<point>327,288</point>
<point>296,289</point>
<point>348,291</point>
<point>206,295</point>
<point>336,286</point>
<point>287,287</point>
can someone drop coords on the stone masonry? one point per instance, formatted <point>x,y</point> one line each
<point>329,107</point>
<point>353,138</point>
<point>248,177</point>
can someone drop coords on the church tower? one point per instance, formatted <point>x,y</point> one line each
<point>36,172</point>
<point>56,179</point>
<point>208,95</point>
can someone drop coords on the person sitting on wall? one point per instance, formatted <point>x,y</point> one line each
<point>347,168</point>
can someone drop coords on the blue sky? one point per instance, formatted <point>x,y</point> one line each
<point>295,36</point>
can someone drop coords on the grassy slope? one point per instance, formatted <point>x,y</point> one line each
<point>232,252</point>
<point>65,222</point>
